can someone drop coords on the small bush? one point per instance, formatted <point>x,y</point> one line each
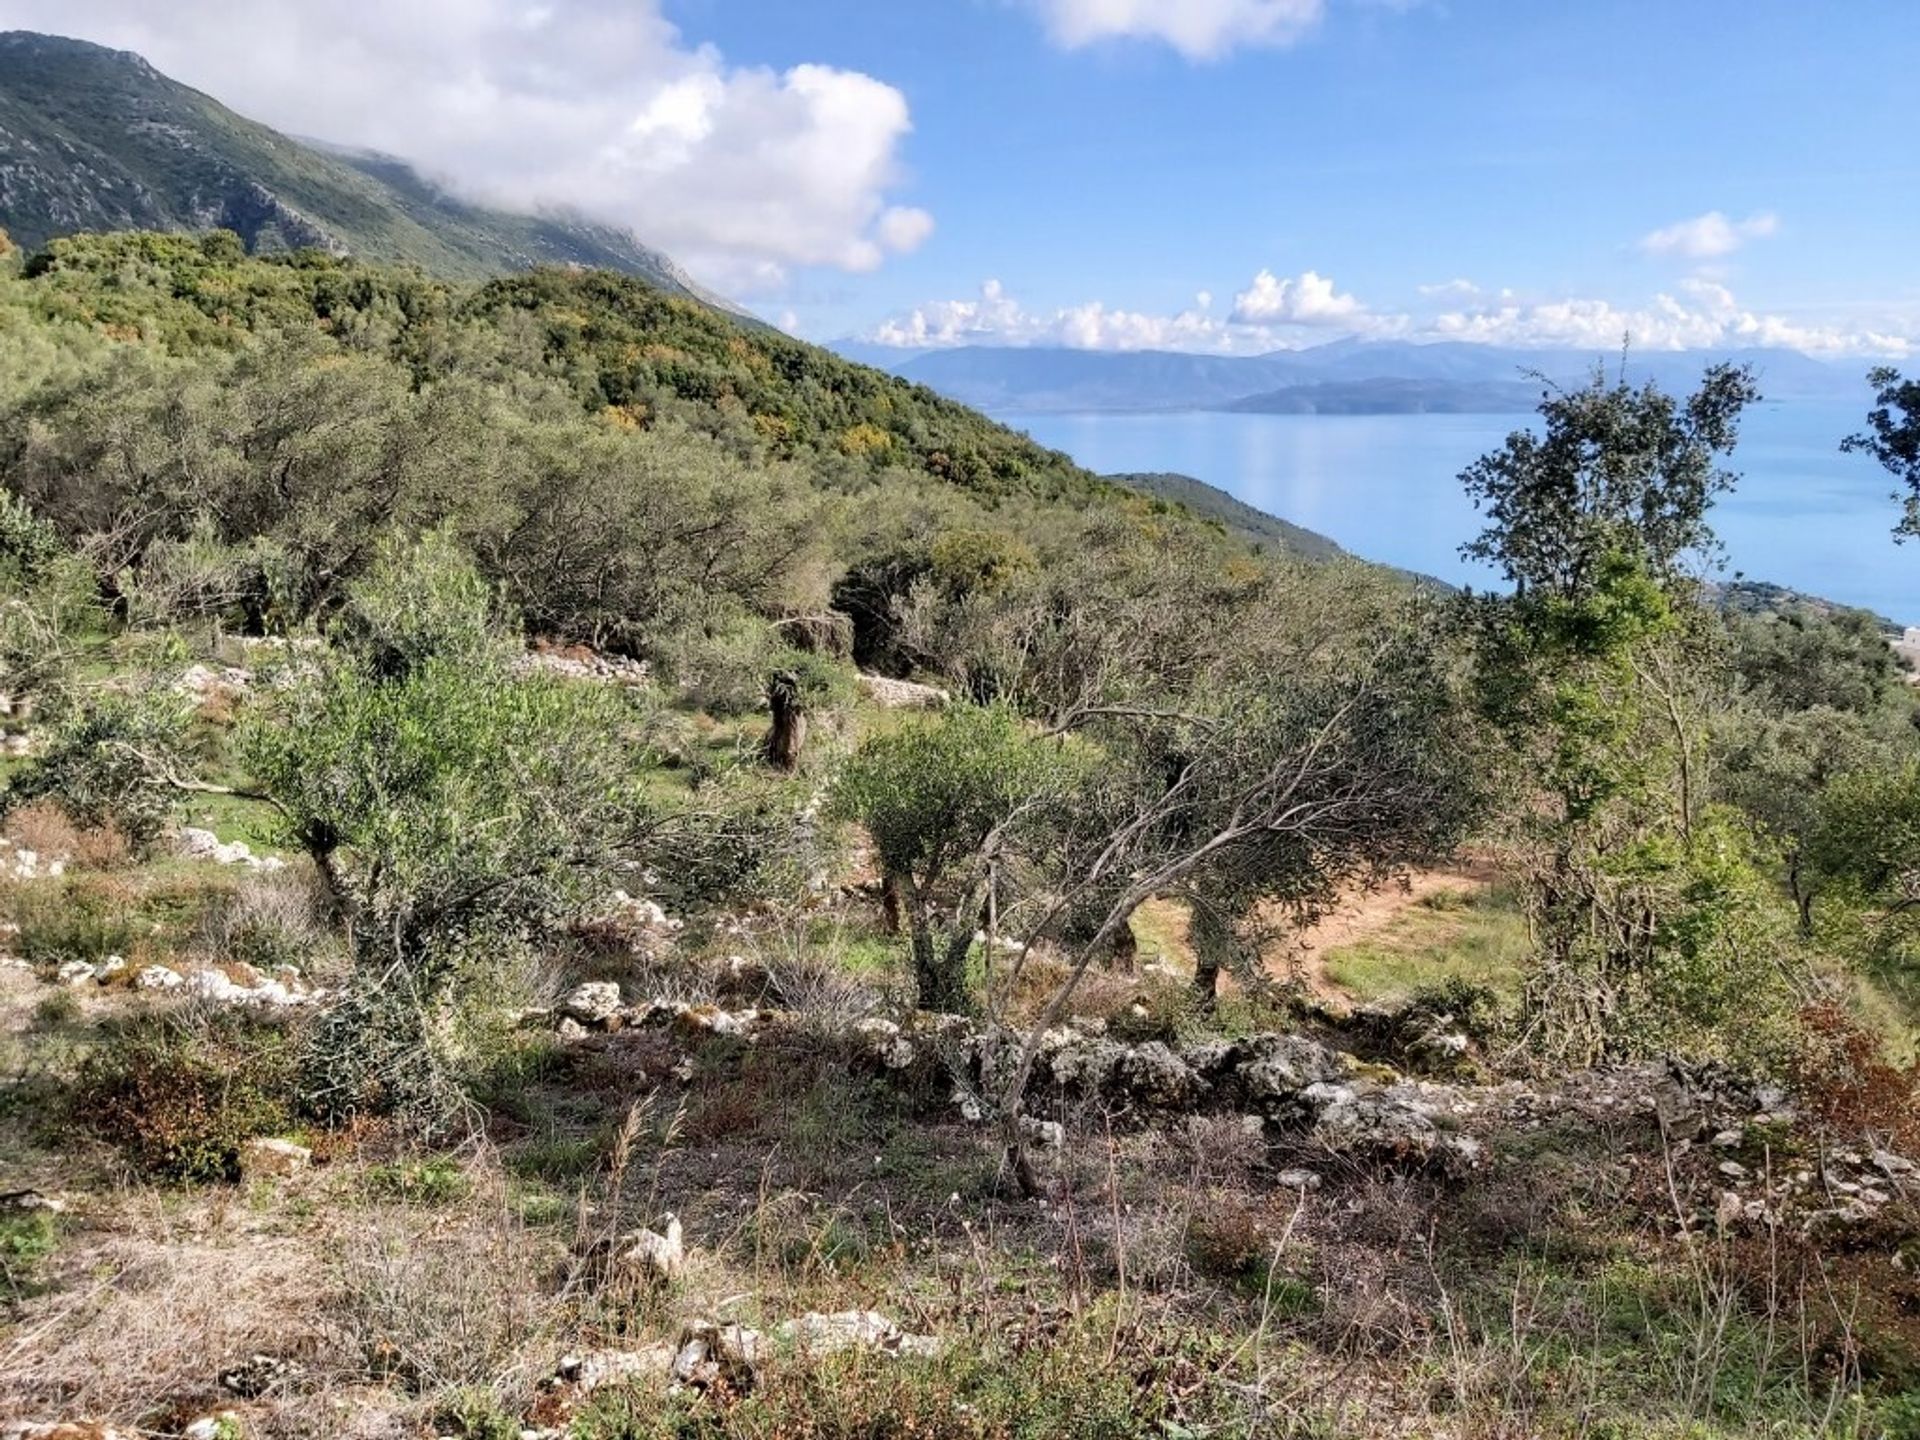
<point>74,921</point>
<point>1228,1241</point>
<point>106,764</point>
<point>1845,1080</point>
<point>438,1180</point>
<point>370,1052</point>
<point>445,1310</point>
<point>182,1096</point>
<point>26,1243</point>
<point>62,1007</point>
<point>268,923</point>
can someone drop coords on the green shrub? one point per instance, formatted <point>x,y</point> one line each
<point>181,1097</point>
<point>27,1241</point>
<point>75,920</point>
<point>109,763</point>
<point>437,1180</point>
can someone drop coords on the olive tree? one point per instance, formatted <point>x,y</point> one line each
<point>948,800</point>
<point>1307,768</point>
<point>455,803</point>
<point>1893,438</point>
<point>1602,672</point>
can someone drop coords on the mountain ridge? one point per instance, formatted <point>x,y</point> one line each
<point>1388,373</point>
<point>96,139</point>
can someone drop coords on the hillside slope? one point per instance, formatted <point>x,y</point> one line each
<point>1238,518</point>
<point>97,139</point>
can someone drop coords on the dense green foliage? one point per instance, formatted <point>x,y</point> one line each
<point>1155,705</point>
<point>946,801</point>
<point>1649,901</point>
<point>1892,437</point>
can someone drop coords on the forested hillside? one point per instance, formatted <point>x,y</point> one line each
<point>97,139</point>
<point>574,866</point>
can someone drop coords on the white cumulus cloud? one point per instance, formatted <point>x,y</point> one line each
<point>1704,315</point>
<point>1309,299</point>
<point>1198,29</point>
<point>596,105</point>
<point>1710,236</point>
<point>1274,313</point>
<point>996,318</point>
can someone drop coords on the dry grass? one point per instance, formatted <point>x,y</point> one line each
<point>44,828</point>
<point>159,1296</point>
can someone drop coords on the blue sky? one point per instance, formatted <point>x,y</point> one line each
<point>1520,144</point>
<point>1085,171</point>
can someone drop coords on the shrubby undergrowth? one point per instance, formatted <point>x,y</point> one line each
<point>543,630</point>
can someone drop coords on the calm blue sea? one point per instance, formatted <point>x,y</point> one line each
<point>1384,486</point>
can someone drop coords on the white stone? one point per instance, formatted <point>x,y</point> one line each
<point>824,1334</point>
<point>902,694</point>
<point>158,977</point>
<point>215,986</point>
<point>658,1257</point>
<point>593,1003</point>
<point>269,1156</point>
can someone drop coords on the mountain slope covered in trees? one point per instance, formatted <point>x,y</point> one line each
<point>97,139</point>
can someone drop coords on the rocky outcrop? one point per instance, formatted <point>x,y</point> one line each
<point>205,845</point>
<point>1289,1083</point>
<point>232,984</point>
<point>657,1257</point>
<point>891,694</point>
<point>709,1352</point>
<point>268,1158</point>
<point>581,662</point>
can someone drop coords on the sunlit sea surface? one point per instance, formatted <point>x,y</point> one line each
<point>1385,487</point>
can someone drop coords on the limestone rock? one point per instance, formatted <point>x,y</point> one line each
<point>883,1038</point>
<point>660,1258</point>
<point>1373,1123</point>
<point>824,1334</point>
<point>159,977</point>
<point>272,1157</point>
<point>1154,1075</point>
<point>593,1003</point>
<point>709,1353</point>
<point>616,1367</point>
<point>1045,1134</point>
<point>1272,1070</point>
<point>902,694</point>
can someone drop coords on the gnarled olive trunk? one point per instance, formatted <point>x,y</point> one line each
<point>788,734</point>
<point>1211,936</point>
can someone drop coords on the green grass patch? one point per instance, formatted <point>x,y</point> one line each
<point>437,1180</point>
<point>1478,937</point>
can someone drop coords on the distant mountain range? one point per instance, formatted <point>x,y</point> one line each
<point>97,139</point>
<point>1345,377</point>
